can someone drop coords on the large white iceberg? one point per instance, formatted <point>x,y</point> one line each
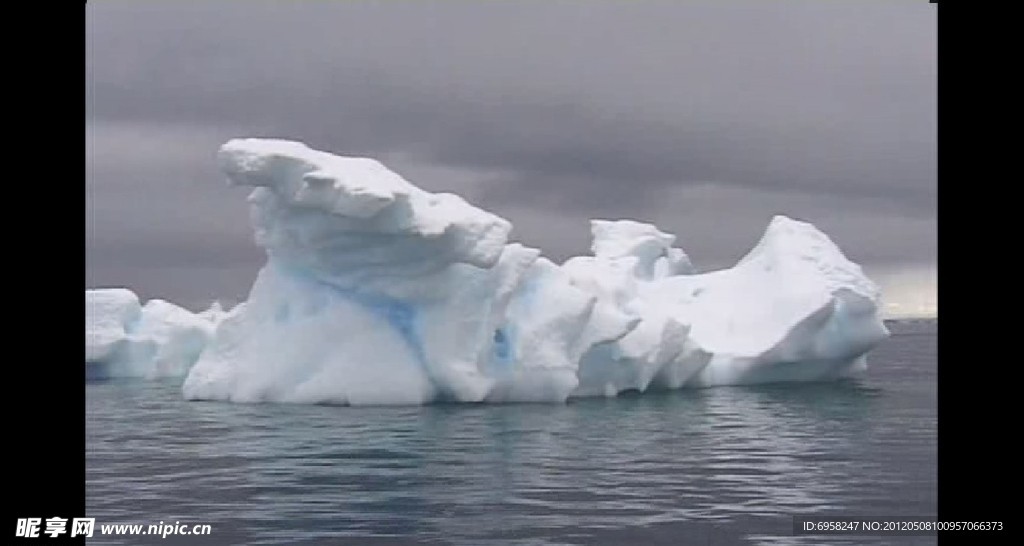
<point>126,339</point>
<point>378,292</point>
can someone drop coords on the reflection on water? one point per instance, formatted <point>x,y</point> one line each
<point>724,465</point>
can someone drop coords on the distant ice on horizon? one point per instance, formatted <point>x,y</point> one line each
<point>908,293</point>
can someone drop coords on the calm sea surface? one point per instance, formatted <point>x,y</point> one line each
<point>728,465</point>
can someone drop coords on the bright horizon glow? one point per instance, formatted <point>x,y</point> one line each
<point>907,292</point>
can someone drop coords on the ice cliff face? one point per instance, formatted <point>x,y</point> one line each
<point>377,292</point>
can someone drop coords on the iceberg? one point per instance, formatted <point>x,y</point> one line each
<point>793,309</point>
<point>378,292</point>
<point>126,339</point>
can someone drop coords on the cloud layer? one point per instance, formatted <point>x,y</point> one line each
<point>706,118</point>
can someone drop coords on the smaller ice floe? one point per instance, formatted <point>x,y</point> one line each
<point>124,338</point>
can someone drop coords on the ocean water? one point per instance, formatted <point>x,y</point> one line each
<point>728,465</point>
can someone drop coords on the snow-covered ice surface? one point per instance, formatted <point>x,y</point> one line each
<point>378,292</point>
<point>126,339</point>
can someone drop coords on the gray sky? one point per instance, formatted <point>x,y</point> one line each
<point>705,118</point>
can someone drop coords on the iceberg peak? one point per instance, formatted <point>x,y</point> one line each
<point>361,196</point>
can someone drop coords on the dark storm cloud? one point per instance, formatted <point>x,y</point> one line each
<point>548,111</point>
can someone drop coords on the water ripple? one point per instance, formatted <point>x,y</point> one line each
<point>714,466</point>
